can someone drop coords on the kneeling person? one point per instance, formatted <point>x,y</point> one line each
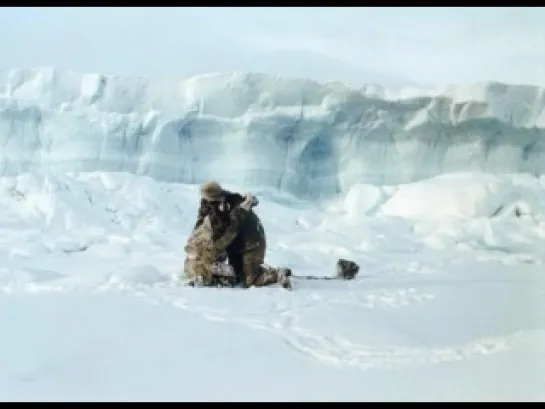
<point>245,238</point>
<point>204,262</point>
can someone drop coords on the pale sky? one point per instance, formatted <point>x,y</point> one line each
<point>391,45</point>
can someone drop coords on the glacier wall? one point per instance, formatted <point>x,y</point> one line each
<point>299,136</point>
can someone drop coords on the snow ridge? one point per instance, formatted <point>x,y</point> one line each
<point>296,135</point>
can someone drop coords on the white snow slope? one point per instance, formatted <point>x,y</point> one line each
<point>450,300</point>
<point>299,136</point>
<point>448,305</point>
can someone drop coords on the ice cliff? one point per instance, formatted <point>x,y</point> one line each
<point>296,135</point>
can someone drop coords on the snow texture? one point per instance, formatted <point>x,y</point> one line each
<point>449,303</point>
<point>295,135</point>
<point>436,194</point>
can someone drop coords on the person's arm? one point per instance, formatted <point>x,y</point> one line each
<point>203,211</point>
<point>237,217</point>
<point>235,199</point>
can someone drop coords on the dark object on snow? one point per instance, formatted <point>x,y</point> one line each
<point>346,269</point>
<point>316,277</point>
<point>283,277</point>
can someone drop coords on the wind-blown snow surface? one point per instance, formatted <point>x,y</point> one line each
<point>448,305</point>
<point>299,136</point>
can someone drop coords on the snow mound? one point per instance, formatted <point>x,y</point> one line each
<point>468,195</point>
<point>364,200</point>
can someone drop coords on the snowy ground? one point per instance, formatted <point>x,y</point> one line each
<point>448,305</point>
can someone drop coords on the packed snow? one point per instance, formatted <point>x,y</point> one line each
<point>448,304</point>
<point>437,194</point>
<point>298,136</point>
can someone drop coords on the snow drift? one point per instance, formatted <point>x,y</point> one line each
<point>91,308</point>
<point>298,136</point>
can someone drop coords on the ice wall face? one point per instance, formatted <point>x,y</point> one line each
<point>299,136</point>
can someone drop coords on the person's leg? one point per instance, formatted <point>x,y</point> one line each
<point>271,275</point>
<point>189,269</point>
<point>200,254</point>
<point>251,267</point>
<point>223,274</point>
<point>264,276</point>
<point>198,271</point>
<point>259,275</point>
<point>235,261</point>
